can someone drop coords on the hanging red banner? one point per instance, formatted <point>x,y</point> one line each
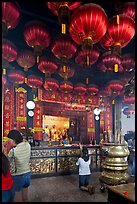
<point>8,109</point>
<point>108,116</point>
<point>37,122</point>
<point>21,99</point>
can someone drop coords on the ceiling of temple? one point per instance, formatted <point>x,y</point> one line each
<point>37,10</point>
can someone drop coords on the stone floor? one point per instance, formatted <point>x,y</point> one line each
<point>64,189</point>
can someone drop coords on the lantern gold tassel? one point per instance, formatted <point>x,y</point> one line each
<point>63,28</point>
<point>118,19</point>
<point>4,71</point>
<point>87,80</point>
<point>116,68</point>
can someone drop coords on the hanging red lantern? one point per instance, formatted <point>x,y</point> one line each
<point>64,47</point>
<point>129,100</point>
<point>51,84</point>
<point>66,87</point>
<point>4,80</point>
<point>26,59</point>
<point>92,89</point>
<point>10,16</point>
<point>128,112</point>
<point>34,81</point>
<point>128,8</point>
<point>88,24</point>
<point>128,62</point>
<point>80,89</point>
<point>106,41</point>
<point>62,10</point>
<point>110,62</point>
<point>115,86</point>
<point>87,57</point>
<point>9,50</point>
<point>37,36</point>
<point>121,29</point>
<point>47,66</point>
<point>66,71</point>
<point>16,76</point>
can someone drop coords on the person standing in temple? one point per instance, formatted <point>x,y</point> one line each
<point>84,171</point>
<point>53,132</point>
<point>22,177</point>
<point>46,135</point>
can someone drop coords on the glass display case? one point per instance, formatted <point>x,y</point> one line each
<point>47,161</point>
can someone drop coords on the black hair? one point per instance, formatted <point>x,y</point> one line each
<point>16,136</point>
<point>5,164</point>
<point>85,155</point>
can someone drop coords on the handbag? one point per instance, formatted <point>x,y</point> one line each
<point>13,168</point>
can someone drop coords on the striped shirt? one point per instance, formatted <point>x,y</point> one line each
<point>22,154</point>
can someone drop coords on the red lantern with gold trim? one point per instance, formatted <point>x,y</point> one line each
<point>10,16</point>
<point>9,50</point>
<point>88,24</point>
<point>26,59</point>
<point>115,86</point>
<point>66,71</point>
<point>62,10</point>
<point>121,29</point>
<point>64,47</point>
<point>110,62</point>
<point>128,62</point>
<point>129,100</point>
<point>51,84</point>
<point>37,36</point>
<point>47,66</point>
<point>128,8</point>
<point>66,87</point>
<point>80,89</point>
<point>92,89</point>
<point>87,57</point>
<point>106,41</point>
<point>16,76</point>
<point>34,81</point>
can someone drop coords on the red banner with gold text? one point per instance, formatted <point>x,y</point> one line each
<point>91,125</point>
<point>37,122</point>
<point>8,109</point>
<point>21,99</point>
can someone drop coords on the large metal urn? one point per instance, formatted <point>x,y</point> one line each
<point>114,167</point>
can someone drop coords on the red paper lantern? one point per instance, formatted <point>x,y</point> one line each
<point>108,62</point>
<point>129,100</point>
<point>16,76</point>
<point>9,50</point>
<point>80,89</point>
<point>87,57</point>
<point>121,29</point>
<point>47,66</point>
<point>62,10</point>
<point>115,86</point>
<point>37,36</point>
<point>26,59</point>
<point>92,89</point>
<point>66,87</point>
<point>51,84</point>
<point>34,81</point>
<point>128,62</point>
<point>66,72</point>
<point>88,24</point>
<point>106,42</point>
<point>10,15</point>
<point>64,47</point>
<point>128,9</point>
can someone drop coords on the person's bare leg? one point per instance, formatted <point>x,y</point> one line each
<point>25,194</point>
<point>18,197</point>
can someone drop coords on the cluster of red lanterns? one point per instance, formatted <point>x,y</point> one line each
<point>88,25</point>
